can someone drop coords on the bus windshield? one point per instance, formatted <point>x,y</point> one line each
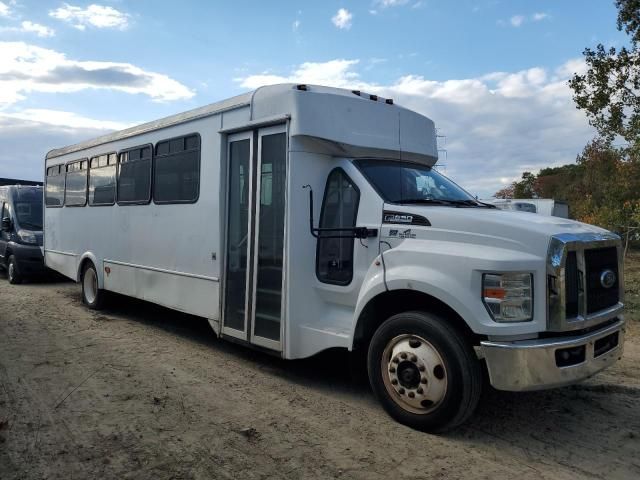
<point>405,182</point>
<point>28,209</point>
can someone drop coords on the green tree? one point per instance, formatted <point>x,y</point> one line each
<point>525,188</point>
<point>609,91</point>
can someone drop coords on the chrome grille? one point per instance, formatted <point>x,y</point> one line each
<point>598,261</point>
<point>576,296</point>
<point>572,285</point>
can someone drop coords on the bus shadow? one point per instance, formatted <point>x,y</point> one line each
<point>562,417</point>
<point>330,369</point>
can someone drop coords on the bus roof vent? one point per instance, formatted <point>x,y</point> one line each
<point>302,87</point>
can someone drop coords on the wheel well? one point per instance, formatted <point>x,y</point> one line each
<point>83,265</point>
<point>393,302</point>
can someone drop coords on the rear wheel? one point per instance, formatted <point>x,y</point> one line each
<point>13,273</point>
<point>92,296</point>
<point>423,372</point>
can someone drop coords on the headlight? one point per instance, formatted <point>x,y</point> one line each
<point>508,296</point>
<point>27,237</point>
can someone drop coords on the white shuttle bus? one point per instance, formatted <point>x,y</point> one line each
<point>298,218</point>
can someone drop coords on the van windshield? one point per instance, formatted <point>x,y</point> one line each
<point>405,182</point>
<point>28,209</point>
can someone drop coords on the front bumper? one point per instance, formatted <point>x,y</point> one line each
<point>539,364</point>
<point>29,258</point>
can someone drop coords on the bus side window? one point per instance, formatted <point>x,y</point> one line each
<point>102,179</point>
<point>334,258</point>
<point>134,176</point>
<point>54,189</point>
<point>76,184</point>
<point>176,170</point>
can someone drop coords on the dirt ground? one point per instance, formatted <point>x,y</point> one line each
<point>138,391</point>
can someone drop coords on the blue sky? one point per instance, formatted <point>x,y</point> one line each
<point>492,74</point>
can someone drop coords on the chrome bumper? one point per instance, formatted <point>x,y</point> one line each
<point>533,365</point>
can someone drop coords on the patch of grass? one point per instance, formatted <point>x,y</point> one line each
<point>632,286</point>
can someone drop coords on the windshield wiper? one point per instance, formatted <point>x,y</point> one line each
<point>426,201</point>
<point>472,203</point>
<point>443,201</point>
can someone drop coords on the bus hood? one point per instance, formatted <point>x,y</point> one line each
<point>521,231</point>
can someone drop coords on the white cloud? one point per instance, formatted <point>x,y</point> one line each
<point>570,67</point>
<point>39,30</point>
<point>29,135</point>
<point>27,68</point>
<point>516,20</point>
<point>497,125</point>
<point>98,16</point>
<point>5,11</point>
<point>519,20</point>
<point>337,73</point>
<point>391,3</point>
<point>342,19</point>
<point>61,118</point>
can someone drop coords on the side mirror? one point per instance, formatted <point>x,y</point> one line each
<point>6,224</point>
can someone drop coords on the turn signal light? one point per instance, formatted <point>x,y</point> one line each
<point>498,293</point>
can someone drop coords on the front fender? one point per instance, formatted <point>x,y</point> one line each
<point>451,273</point>
<point>408,278</point>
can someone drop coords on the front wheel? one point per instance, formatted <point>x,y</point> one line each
<point>13,273</point>
<point>92,296</point>
<point>423,372</point>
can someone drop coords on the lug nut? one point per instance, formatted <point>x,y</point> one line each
<point>420,391</point>
<point>392,370</point>
<point>403,356</point>
<point>395,360</point>
<point>423,380</point>
<point>421,368</point>
<point>414,359</point>
<point>411,394</point>
<point>394,381</point>
<point>401,391</point>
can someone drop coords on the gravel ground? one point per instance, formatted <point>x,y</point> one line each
<point>138,391</point>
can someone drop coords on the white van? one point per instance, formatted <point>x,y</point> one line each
<point>542,206</point>
<point>298,218</point>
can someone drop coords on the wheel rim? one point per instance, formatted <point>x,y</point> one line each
<point>12,271</point>
<point>414,374</point>
<point>90,284</point>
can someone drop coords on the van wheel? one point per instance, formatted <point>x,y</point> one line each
<point>13,274</point>
<point>423,372</point>
<point>92,296</point>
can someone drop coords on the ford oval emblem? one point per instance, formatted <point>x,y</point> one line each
<point>607,278</point>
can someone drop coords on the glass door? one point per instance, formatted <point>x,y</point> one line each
<point>240,199</point>
<point>269,239</point>
<point>255,264</point>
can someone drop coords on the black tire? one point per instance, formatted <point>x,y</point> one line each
<point>92,296</point>
<point>13,272</point>
<point>458,380</point>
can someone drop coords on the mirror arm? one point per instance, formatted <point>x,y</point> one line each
<point>350,232</point>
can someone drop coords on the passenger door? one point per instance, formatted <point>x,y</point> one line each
<point>254,253</point>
